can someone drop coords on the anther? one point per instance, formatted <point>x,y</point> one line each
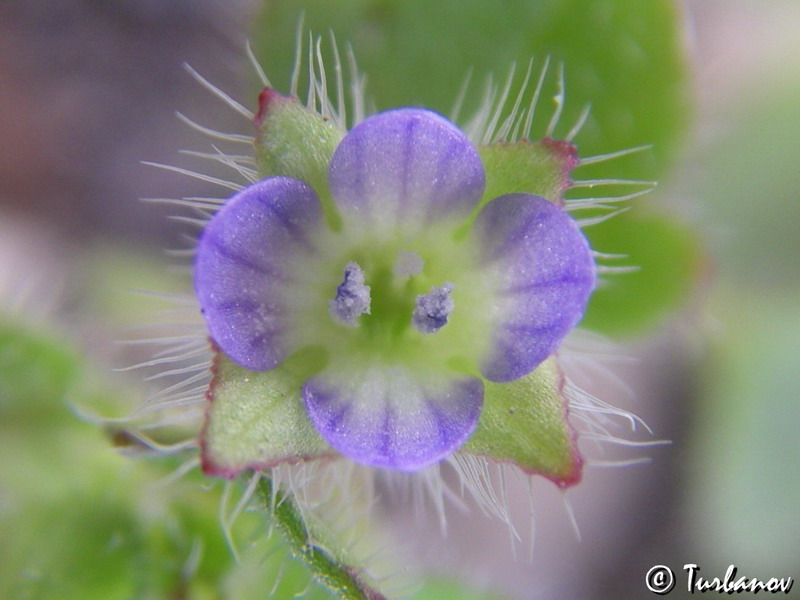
<point>352,297</point>
<point>433,309</point>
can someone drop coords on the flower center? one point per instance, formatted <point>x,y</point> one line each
<point>391,302</point>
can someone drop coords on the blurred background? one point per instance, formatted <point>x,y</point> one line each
<point>88,90</point>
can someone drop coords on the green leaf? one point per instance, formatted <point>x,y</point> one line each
<point>668,261</point>
<point>256,420</point>
<point>73,524</point>
<point>36,373</point>
<point>441,589</point>
<point>542,168</point>
<point>295,142</point>
<point>525,422</point>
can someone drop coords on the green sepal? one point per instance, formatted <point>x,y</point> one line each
<point>524,422</point>
<point>295,141</point>
<point>542,168</point>
<point>256,419</point>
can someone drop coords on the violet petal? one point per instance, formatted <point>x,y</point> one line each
<point>244,263</point>
<point>398,170</point>
<point>387,416</point>
<point>541,268</point>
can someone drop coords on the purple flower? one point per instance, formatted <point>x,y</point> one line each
<point>414,287</point>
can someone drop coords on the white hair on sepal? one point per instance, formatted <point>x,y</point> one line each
<point>571,204</point>
<point>558,100</point>
<point>180,362</point>
<point>592,183</point>
<point>230,102</point>
<point>599,158</point>
<point>601,425</point>
<point>335,487</point>
<point>318,98</point>
<point>348,89</point>
<point>485,125</point>
<point>232,185</point>
<point>347,497</point>
<point>234,161</point>
<point>585,355</point>
<point>181,355</point>
<point>319,93</point>
<point>262,76</point>
<point>213,133</point>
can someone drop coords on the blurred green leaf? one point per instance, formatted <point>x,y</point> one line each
<point>35,373</point>
<point>440,589</point>
<point>668,261</point>
<point>79,521</point>
<point>118,282</point>
<point>624,57</point>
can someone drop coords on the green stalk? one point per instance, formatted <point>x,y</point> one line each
<point>343,581</point>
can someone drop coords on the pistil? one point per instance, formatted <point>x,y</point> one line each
<point>407,264</point>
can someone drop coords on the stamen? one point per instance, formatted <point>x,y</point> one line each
<point>408,264</point>
<point>352,297</point>
<point>433,309</point>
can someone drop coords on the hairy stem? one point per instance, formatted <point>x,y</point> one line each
<point>343,581</point>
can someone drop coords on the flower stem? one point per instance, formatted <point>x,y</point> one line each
<point>343,581</point>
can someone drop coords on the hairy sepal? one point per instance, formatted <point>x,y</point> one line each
<point>256,420</point>
<point>541,168</point>
<point>295,141</point>
<point>524,422</point>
